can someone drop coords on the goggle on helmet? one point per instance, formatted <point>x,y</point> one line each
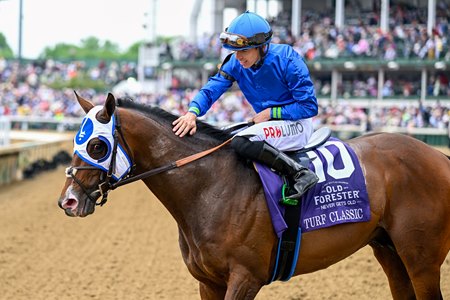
<point>248,30</point>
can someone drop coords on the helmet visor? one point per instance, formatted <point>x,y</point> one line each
<point>240,41</point>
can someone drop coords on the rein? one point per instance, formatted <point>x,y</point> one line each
<point>105,186</point>
<point>167,167</point>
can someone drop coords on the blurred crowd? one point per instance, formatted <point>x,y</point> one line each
<point>25,89</point>
<point>365,85</point>
<point>361,37</point>
<point>27,100</point>
<point>31,96</point>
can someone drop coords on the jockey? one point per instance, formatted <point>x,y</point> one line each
<point>276,82</point>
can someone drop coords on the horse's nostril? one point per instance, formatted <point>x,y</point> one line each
<point>70,203</point>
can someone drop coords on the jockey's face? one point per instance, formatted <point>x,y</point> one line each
<point>248,57</point>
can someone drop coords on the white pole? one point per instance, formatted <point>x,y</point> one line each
<point>339,13</point>
<point>384,19</point>
<point>296,17</point>
<point>431,16</point>
<point>5,128</point>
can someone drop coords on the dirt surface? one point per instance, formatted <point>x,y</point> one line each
<point>129,250</point>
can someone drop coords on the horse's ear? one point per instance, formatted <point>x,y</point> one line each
<point>107,111</point>
<point>86,105</point>
<point>110,104</point>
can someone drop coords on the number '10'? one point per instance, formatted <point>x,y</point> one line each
<point>345,172</point>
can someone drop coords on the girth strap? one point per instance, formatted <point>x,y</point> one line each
<point>288,244</point>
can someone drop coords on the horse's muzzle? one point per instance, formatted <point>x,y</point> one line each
<point>73,206</point>
<point>69,205</point>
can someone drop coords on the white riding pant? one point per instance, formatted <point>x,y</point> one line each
<point>284,135</point>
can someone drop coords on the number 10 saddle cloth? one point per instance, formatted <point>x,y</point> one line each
<point>340,196</point>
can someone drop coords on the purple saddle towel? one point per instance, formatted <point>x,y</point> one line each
<point>339,197</point>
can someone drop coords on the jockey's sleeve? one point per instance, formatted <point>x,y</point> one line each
<point>209,93</point>
<point>304,102</point>
<point>295,111</point>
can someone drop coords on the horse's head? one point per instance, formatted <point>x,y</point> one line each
<point>97,159</point>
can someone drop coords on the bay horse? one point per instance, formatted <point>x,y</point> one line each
<point>225,232</point>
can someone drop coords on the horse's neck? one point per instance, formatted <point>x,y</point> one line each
<point>198,193</point>
<point>217,192</point>
<point>185,191</point>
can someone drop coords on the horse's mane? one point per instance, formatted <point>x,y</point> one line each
<point>165,117</point>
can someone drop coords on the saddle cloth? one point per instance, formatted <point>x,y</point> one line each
<point>339,197</point>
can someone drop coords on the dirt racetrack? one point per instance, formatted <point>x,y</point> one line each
<point>128,249</point>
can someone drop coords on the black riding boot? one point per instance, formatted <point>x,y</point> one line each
<point>264,153</point>
<point>303,177</point>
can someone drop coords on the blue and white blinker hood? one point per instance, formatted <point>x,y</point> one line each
<point>92,128</point>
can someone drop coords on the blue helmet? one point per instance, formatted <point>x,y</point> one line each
<point>246,31</point>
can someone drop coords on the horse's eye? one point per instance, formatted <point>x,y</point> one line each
<point>97,149</point>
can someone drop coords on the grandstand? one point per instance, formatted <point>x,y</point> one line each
<point>396,50</point>
<point>375,64</point>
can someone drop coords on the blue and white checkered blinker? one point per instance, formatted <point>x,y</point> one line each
<point>91,128</point>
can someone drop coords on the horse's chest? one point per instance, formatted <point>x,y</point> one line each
<point>204,260</point>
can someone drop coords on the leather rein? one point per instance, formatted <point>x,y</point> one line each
<point>106,184</point>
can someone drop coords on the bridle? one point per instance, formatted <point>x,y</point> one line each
<point>106,183</point>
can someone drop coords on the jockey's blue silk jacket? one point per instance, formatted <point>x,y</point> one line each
<point>282,83</point>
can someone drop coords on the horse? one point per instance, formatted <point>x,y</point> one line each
<point>225,234</point>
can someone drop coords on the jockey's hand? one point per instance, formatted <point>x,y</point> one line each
<point>185,124</point>
<point>262,116</point>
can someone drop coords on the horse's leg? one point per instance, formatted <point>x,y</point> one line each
<point>422,260</point>
<point>425,277</point>
<point>242,285</point>
<point>399,282</point>
<point>211,291</point>
<point>239,288</point>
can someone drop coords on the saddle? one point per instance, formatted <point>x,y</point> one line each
<point>317,139</point>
